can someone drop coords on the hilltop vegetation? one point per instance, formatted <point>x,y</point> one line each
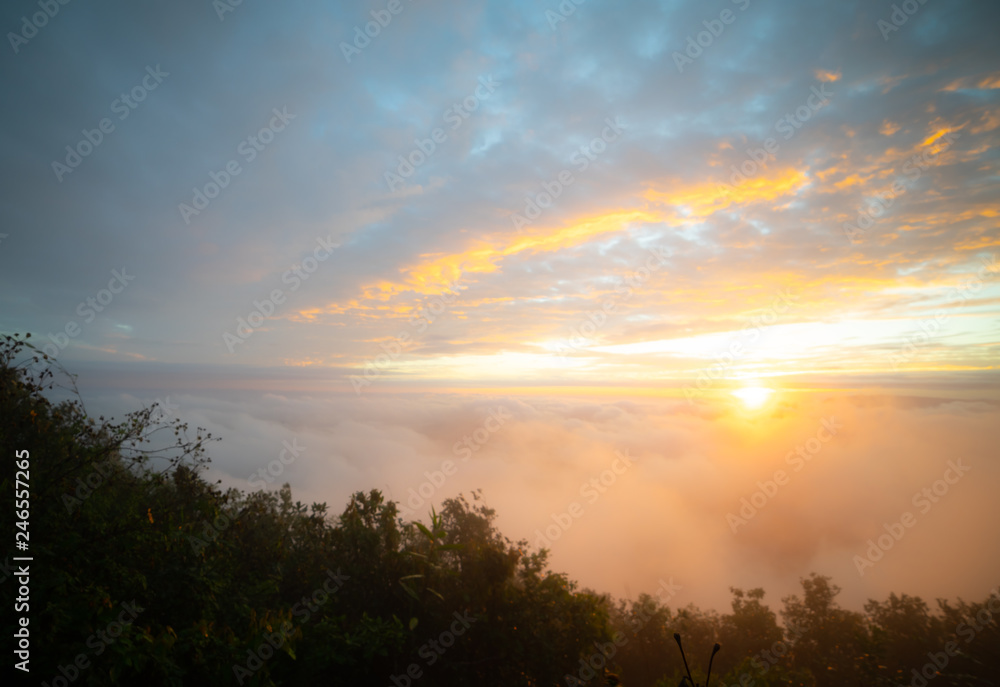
<point>145,573</point>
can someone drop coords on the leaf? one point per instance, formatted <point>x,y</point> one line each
<point>409,591</point>
<point>413,623</point>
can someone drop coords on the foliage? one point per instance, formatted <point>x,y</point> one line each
<point>218,572</point>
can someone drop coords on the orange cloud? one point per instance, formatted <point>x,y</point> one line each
<point>888,128</point>
<point>987,82</point>
<point>438,273</point>
<point>935,136</point>
<point>978,242</point>
<point>702,200</point>
<point>852,180</point>
<point>989,120</point>
<point>441,270</point>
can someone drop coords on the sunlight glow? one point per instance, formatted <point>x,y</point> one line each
<point>753,397</point>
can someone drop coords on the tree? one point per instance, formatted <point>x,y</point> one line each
<point>832,643</point>
<point>750,629</point>
<point>903,631</point>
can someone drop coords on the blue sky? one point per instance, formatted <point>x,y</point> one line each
<point>657,183</point>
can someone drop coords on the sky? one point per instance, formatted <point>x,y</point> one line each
<point>370,227</point>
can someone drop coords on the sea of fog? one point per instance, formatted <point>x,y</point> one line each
<point>883,489</point>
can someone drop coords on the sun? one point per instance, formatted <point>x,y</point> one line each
<point>753,397</point>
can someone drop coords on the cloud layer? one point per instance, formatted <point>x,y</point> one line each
<point>552,465</point>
